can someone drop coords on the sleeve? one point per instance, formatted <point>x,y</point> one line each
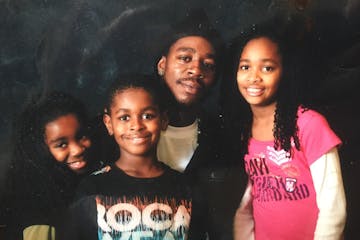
<point>39,232</point>
<point>316,136</point>
<point>81,220</point>
<point>330,196</point>
<point>244,221</point>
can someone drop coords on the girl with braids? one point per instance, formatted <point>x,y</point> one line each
<point>290,152</point>
<point>51,154</point>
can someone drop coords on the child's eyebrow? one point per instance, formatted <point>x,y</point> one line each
<point>262,60</point>
<point>148,108</point>
<point>122,110</point>
<point>185,49</point>
<point>60,139</point>
<point>269,60</point>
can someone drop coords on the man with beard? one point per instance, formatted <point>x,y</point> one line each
<point>188,67</point>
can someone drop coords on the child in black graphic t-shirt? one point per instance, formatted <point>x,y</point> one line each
<point>138,197</point>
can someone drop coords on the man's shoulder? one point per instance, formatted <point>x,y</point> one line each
<point>210,119</point>
<point>209,126</point>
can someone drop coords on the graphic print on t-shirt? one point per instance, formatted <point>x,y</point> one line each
<point>278,156</point>
<point>274,177</point>
<point>141,218</point>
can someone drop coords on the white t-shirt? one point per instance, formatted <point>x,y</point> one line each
<point>177,145</point>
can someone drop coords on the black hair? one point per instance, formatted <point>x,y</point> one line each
<point>35,177</point>
<point>238,115</point>
<point>196,23</point>
<point>146,82</point>
<point>31,124</point>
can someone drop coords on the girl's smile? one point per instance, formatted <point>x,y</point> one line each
<point>77,165</point>
<point>254,91</point>
<point>259,72</point>
<point>66,142</point>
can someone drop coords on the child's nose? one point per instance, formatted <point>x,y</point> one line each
<point>77,148</point>
<point>136,124</point>
<point>254,76</point>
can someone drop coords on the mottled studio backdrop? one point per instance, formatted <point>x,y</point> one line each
<point>78,45</point>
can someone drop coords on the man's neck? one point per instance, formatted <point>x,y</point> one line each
<point>182,116</point>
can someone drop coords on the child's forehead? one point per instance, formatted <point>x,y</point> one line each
<point>137,95</point>
<point>68,116</point>
<point>132,90</point>
<point>134,95</point>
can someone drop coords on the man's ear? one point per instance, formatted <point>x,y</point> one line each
<point>161,66</point>
<point>164,121</point>
<point>107,122</point>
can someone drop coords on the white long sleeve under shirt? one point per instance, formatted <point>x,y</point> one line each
<point>330,196</point>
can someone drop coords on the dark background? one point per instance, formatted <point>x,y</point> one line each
<point>77,46</point>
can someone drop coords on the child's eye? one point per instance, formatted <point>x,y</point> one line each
<point>185,58</point>
<point>244,67</point>
<point>268,69</point>
<point>148,116</point>
<point>124,118</point>
<point>61,145</point>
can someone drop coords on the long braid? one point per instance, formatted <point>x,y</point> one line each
<point>285,127</point>
<point>288,100</point>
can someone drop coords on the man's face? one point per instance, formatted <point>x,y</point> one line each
<point>189,68</point>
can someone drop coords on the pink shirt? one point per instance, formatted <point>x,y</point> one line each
<point>284,197</point>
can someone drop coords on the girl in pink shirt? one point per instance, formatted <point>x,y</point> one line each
<point>290,152</point>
